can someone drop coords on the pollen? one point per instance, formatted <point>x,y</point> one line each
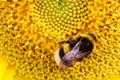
<point>30,30</point>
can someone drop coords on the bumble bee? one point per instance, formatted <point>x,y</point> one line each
<point>75,49</point>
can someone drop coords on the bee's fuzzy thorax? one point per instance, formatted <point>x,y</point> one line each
<point>93,40</point>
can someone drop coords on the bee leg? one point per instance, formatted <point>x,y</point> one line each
<point>62,41</point>
<point>70,40</point>
<point>88,56</point>
<point>79,59</point>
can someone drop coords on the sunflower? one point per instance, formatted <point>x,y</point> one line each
<point>30,29</point>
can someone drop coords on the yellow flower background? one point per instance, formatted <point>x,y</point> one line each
<point>30,29</point>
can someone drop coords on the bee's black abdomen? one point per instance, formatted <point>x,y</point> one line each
<point>86,45</point>
<point>61,52</point>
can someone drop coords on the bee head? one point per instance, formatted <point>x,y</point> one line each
<point>86,45</point>
<point>87,42</point>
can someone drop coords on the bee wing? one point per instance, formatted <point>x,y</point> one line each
<point>80,55</point>
<point>69,58</point>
